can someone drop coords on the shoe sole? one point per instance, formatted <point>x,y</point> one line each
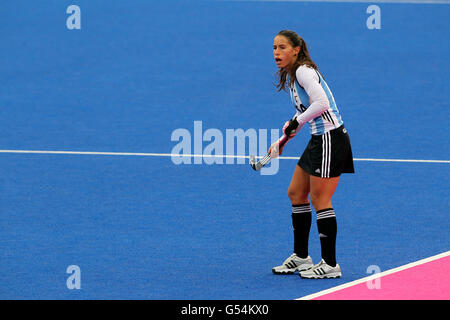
<point>290,271</point>
<point>283,272</point>
<point>325,276</point>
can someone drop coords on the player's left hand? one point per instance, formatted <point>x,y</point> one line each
<point>291,128</point>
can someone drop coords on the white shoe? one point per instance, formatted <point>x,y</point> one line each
<point>322,270</point>
<point>292,264</point>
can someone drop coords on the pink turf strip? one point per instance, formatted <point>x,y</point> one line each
<point>427,281</point>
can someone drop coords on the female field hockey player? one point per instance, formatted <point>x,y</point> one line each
<point>327,155</point>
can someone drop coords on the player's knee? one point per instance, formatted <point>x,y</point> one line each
<point>297,196</point>
<point>320,202</point>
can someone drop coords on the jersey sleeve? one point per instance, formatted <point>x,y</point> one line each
<point>308,78</point>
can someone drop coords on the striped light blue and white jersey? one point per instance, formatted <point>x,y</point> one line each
<point>314,101</point>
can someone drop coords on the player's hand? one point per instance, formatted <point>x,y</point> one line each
<point>275,150</point>
<point>290,128</point>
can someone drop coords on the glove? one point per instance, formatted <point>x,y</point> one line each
<point>290,128</point>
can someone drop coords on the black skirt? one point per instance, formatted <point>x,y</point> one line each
<point>328,155</point>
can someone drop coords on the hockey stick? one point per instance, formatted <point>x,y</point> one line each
<point>261,163</point>
<point>257,165</point>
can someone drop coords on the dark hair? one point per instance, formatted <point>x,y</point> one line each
<point>303,58</point>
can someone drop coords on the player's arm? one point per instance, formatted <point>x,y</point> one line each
<point>319,103</point>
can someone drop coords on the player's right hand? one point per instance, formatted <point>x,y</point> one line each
<point>275,149</point>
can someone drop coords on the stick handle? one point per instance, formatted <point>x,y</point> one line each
<point>284,139</point>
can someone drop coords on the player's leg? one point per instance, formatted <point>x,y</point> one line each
<point>301,220</point>
<point>322,190</point>
<point>301,210</point>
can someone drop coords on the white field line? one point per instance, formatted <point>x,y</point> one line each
<point>375,276</point>
<point>196,155</point>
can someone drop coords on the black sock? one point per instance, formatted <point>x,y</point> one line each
<point>327,227</point>
<point>301,222</point>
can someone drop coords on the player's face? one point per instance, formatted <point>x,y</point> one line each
<point>283,52</point>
